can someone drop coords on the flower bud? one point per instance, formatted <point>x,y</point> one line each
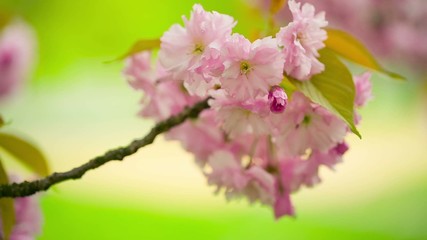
<point>277,99</point>
<point>341,148</point>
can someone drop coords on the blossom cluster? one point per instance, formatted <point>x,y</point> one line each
<point>256,141</point>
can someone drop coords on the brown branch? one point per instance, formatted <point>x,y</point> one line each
<point>28,188</point>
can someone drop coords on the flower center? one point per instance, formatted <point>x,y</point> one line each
<point>245,68</point>
<point>300,37</point>
<point>306,120</point>
<point>199,48</point>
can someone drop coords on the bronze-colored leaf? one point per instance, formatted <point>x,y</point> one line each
<point>25,152</point>
<point>276,5</point>
<point>349,47</point>
<point>5,18</point>
<point>139,46</point>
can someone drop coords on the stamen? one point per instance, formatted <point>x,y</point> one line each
<point>306,120</point>
<point>245,68</point>
<point>199,49</point>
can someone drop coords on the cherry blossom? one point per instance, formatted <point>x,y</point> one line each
<point>258,140</point>
<point>301,39</point>
<point>251,68</point>
<point>363,89</point>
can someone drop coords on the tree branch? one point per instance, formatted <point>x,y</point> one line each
<point>28,188</point>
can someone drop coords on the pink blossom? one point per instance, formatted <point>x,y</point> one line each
<point>140,73</point>
<point>204,75</point>
<point>331,157</point>
<point>254,183</point>
<point>283,188</point>
<point>251,69</point>
<point>306,172</point>
<point>170,99</point>
<point>301,40</point>
<point>296,172</point>
<point>283,205</point>
<point>242,117</point>
<point>204,130</point>
<point>363,89</point>
<point>341,148</point>
<point>17,44</point>
<point>28,217</point>
<point>309,126</point>
<point>211,65</point>
<point>253,142</point>
<point>260,187</point>
<point>226,172</point>
<point>163,96</point>
<point>182,47</point>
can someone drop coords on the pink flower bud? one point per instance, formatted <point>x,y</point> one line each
<point>341,148</point>
<point>277,99</point>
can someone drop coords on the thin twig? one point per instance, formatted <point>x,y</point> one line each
<point>27,188</point>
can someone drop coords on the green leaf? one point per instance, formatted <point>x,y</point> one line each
<point>1,122</point>
<point>333,88</point>
<point>349,47</point>
<point>139,46</point>
<point>25,152</point>
<point>7,209</point>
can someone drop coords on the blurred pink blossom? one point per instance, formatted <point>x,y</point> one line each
<point>393,29</point>
<point>17,43</point>
<point>28,217</point>
<point>363,89</point>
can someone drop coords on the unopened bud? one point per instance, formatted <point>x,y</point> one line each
<point>277,99</point>
<point>341,148</point>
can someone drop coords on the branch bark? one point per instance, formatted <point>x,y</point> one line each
<point>27,188</point>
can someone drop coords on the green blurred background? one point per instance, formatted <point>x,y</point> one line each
<point>76,107</point>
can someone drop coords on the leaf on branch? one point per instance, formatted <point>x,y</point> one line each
<point>25,152</point>
<point>1,122</point>
<point>7,209</point>
<point>333,88</point>
<point>349,47</point>
<point>139,46</point>
<point>276,5</point>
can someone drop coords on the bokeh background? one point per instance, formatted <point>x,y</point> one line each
<point>76,107</point>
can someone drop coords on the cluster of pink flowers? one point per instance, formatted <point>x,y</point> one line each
<point>253,142</point>
<point>28,218</point>
<point>394,29</point>
<point>16,56</point>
